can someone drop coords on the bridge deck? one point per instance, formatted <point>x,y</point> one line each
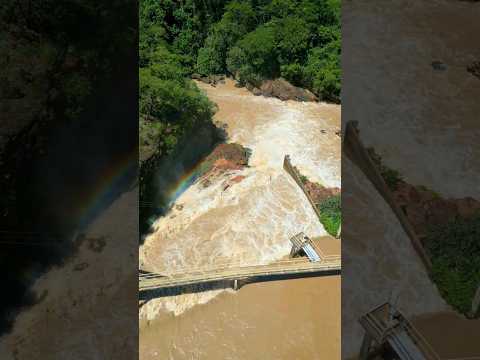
<point>294,266</point>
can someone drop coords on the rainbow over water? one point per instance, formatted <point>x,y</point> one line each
<point>182,184</point>
<point>109,183</point>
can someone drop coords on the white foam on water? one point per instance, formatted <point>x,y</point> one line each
<point>250,222</point>
<point>299,135</point>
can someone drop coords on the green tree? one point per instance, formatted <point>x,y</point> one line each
<point>292,37</point>
<point>455,252</point>
<point>239,19</point>
<point>255,56</point>
<point>280,8</point>
<point>294,73</point>
<point>211,57</point>
<point>322,71</point>
<point>331,214</point>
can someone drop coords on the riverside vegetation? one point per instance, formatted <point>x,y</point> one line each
<point>450,232</point>
<point>329,203</point>
<point>251,40</point>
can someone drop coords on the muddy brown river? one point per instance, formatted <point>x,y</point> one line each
<point>293,319</point>
<point>250,223</point>
<point>423,121</point>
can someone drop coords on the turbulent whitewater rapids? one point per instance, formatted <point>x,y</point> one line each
<point>249,221</point>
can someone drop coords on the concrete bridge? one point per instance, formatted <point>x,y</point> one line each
<point>155,285</point>
<point>309,257</point>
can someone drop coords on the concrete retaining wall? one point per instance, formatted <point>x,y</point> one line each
<point>287,165</point>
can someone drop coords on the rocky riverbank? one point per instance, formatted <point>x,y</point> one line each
<point>277,88</point>
<point>283,90</point>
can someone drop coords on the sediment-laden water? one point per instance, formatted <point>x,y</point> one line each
<point>249,222</point>
<point>282,320</point>
<point>423,120</point>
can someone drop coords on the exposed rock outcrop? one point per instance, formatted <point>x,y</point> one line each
<point>232,156</point>
<point>283,90</point>
<point>224,158</point>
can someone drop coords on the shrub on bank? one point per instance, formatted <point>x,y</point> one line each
<point>331,214</point>
<point>454,249</point>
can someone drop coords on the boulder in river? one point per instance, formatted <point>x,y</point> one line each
<point>283,90</point>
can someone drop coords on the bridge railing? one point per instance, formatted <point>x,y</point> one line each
<point>189,270</point>
<point>209,277</point>
<point>234,274</point>
<point>243,260</point>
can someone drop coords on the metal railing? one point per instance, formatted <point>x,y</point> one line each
<point>201,275</point>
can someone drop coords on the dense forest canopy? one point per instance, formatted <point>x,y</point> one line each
<point>252,40</point>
